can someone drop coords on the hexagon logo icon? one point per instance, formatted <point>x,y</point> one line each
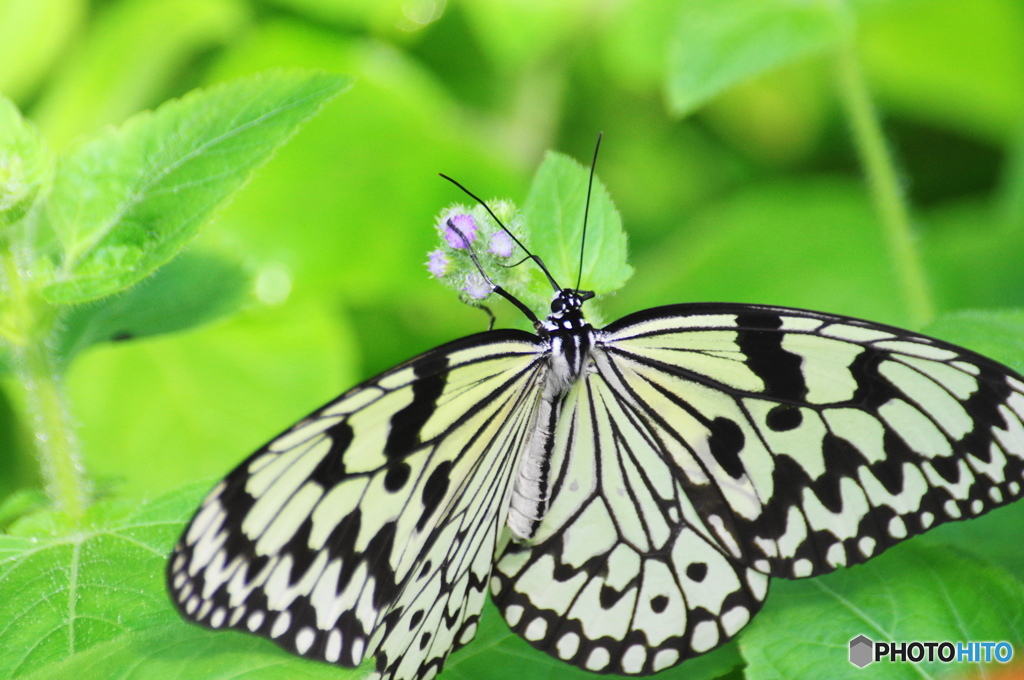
<point>862,651</point>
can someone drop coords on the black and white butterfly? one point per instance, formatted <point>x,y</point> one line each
<point>625,493</point>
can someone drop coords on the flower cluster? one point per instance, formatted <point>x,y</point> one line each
<point>468,232</point>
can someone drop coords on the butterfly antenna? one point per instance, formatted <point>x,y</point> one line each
<point>495,287</point>
<point>586,208</point>
<point>540,263</point>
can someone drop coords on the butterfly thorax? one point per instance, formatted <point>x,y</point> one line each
<point>570,339</point>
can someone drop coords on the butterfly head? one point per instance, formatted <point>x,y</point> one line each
<point>567,310</point>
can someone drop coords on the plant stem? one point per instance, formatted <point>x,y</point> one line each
<point>884,185</point>
<point>43,402</point>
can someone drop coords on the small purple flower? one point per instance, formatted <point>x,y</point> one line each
<point>460,223</point>
<point>477,287</point>
<point>437,263</point>
<point>501,244</point>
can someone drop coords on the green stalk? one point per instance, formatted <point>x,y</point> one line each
<point>43,403</point>
<point>884,185</point>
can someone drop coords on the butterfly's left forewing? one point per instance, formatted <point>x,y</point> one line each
<point>828,439</point>
<point>369,528</point>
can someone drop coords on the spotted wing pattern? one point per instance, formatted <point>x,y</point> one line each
<point>369,528</point>
<point>624,575</point>
<point>713,446</point>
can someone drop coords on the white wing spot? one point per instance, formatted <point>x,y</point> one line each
<point>977,506</point>
<point>802,568</point>
<point>758,584</point>
<point>951,509</point>
<point>513,613</point>
<point>599,659</point>
<point>568,645</point>
<point>204,610</point>
<point>217,618</point>
<point>664,659</point>
<point>236,615</point>
<point>634,658</point>
<point>762,566</point>
<point>468,634</point>
<point>866,546</point>
<point>996,494</point>
<point>897,528</point>
<point>281,624</point>
<point>537,629</point>
<point>734,619</point>
<point>255,621</point>
<point>1014,488</point>
<point>495,585</point>
<point>705,636</point>
<point>332,651</point>
<point>927,519</point>
<point>192,604</point>
<point>304,639</point>
<point>836,555</point>
<point>358,647</point>
<point>179,580</point>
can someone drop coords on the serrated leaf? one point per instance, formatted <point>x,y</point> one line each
<point>192,289</point>
<point>553,212</point>
<point>716,45</point>
<point>24,164</point>
<point>131,56</point>
<point>914,592</point>
<point>128,201</point>
<point>63,591</point>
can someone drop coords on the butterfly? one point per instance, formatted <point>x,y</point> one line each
<point>624,493</point>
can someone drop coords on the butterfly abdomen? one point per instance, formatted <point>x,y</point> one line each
<point>570,339</point>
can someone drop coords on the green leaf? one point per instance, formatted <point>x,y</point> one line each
<point>132,57</point>
<point>192,289</point>
<point>65,590</point>
<point>161,411</point>
<point>24,164</point>
<point>995,537</point>
<point>716,45</point>
<point>128,201</point>
<point>163,651</point>
<point>90,602</point>
<point>914,592</point>
<point>998,334</point>
<point>553,212</point>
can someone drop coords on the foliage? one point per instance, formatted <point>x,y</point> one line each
<point>162,346</point>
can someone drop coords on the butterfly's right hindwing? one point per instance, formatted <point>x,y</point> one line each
<point>369,527</point>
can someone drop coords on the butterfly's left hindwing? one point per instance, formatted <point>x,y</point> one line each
<point>369,528</point>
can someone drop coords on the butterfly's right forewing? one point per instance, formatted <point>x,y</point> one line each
<point>369,527</point>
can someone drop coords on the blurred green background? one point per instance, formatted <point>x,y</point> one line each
<point>755,196</point>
